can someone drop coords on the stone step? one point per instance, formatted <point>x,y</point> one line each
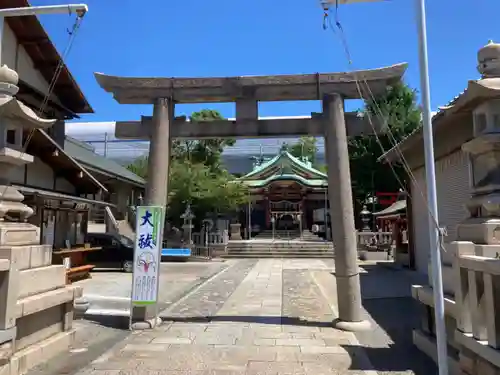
<point>281,255</point>
<point>39,280</point>
<point>291,253</point>
<point>279,248</point>
<point>283,250</point>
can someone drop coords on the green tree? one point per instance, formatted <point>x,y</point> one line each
<point>207,191</point>
<point>197,177</point>
<point>139,166</point>
<point>305,147</point>
<point>398,106</point>
<point>206,151</point>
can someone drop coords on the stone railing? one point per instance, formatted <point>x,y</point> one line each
<point>477,298</point>
<point>471,286</point>
<point>8,298</point>
<point>375,238</point>
<point>212,244</point>
<point>211,238</point>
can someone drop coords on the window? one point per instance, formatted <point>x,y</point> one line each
<point>480,123</point>
<point>496,122</point>
<point>10,136</point>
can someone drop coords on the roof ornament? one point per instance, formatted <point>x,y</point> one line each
<point>284,148</point>
<point>489,60</point>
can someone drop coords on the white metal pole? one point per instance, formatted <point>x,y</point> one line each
<point>79,9</point>
<point>2,25</point>
<point>249,217</point>
<point>106,144</point>
<point>434,235</point>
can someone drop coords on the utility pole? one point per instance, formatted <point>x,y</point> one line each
<point>79,9</point>
<point>106,144</point>
<point>434,231</point>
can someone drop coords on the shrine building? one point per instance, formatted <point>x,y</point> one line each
<point>286,192</point>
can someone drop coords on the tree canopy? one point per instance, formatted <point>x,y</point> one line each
<point>206,151</point>
<point>197,177</point>
<point>305,147</point>
<point>398,106</point>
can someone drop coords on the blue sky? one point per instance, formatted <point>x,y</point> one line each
<point>259,37</point>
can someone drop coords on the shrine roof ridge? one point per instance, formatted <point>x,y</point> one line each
<point>145,90</point>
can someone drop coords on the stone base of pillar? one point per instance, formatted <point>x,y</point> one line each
<point>147,324</point>
<point>361,326</point>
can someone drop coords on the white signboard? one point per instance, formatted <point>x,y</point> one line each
<point>148,246</point>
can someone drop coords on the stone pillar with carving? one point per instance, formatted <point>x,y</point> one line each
<point>35,299</point>
<point>479,234</point>
<point>482,228</point>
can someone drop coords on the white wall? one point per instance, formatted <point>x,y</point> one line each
<point>15,57</point>
<point>453,187</point>
<point>40,175</point>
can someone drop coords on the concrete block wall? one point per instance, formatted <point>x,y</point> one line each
<point>41,304</point>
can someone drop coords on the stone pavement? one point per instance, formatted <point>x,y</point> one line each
<point>275,321</point>
<point>270,316</point>
<point>108,293</point>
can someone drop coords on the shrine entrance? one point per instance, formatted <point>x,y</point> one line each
<point>247,91</point>
<point>286,215</point>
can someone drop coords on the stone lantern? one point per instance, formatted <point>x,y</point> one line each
<point>187,226</point>
<point>484,149</point>
<point>365,218</point>
<point>15,118</point>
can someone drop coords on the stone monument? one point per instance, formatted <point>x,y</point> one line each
<point>36,305</point>
<point>472,327</point>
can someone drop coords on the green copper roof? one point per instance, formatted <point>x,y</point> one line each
<point>286,177</point>
<point>284,166</point>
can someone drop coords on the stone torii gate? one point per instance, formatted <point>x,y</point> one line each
<point>246,92</point>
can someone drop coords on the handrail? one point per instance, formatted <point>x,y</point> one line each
<point>111,219</point>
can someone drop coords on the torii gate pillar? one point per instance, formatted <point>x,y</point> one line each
<point>144,317</point>
<point>342,217</point>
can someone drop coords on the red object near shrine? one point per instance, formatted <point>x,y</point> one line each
<point>386,199</point>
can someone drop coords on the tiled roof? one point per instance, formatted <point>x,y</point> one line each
<point>418,131</point>
<point>98,163</point>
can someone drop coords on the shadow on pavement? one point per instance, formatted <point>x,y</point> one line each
<point>110,321</point>
<point>273,320</point>
<point>386,298</point>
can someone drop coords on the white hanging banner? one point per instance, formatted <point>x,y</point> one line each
<point>147,250</point>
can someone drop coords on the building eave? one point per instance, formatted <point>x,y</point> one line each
<point>31,35</point>
<point>476,93</point>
